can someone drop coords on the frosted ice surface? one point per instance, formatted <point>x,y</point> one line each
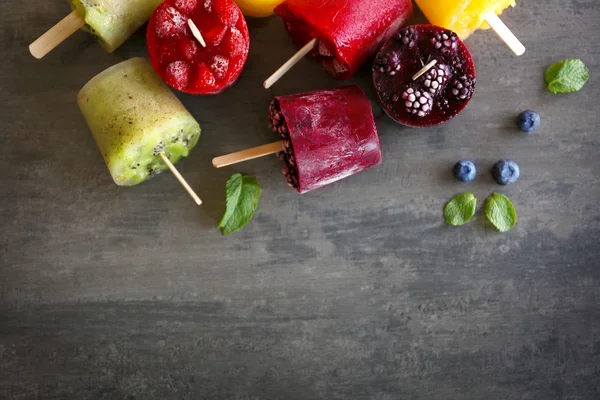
<point>179,73</point>
<point>219,66</point>
<point>186,6</point>
<point>237,42</point>
<point>170,23</point>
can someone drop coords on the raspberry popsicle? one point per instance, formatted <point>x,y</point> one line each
<point>424,76</point>
<point>112,21</point>
<point>139,125</point>
<point>340,34</point>
<point>466,16</point>
<point>327,135</point>
<point>198,47</point>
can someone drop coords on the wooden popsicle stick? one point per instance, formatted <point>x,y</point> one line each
<point>56,35</point>
<point>196,32</point>
<point>424,70</point>
<point>180,178</point>
<point>289,64</point>
<point>248,154</point>
<point>505,33</point>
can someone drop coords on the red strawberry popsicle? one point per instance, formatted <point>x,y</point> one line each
<point>342,34</point>
<point>424,76</point>
<point>327,135</point>
<point>198,46</point>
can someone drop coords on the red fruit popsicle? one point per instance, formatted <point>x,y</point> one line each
<point>207,63</point>
<point>347,32</point>
<point>327,135</point>
<point>440,92</point>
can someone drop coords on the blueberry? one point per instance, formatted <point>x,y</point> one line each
<point>505,172</point>
<point>465,171</point>
<point>528,121</point>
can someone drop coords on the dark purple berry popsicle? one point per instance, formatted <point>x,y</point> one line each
<point>327,135</point>
<point>436,96</point>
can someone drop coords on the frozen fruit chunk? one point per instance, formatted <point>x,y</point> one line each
<point>186,6</point>
<point>189,48</point>
<point>215,35</point>
<point>205,78</point>
<point>417,101</point>
<point>219,66</point>
<point>340,67</point>
<point>228,12</point>
<point>169,23</point>
<point>236,43</point>
<point>168,52</point>
<point>324,50</point>
<point>178,73</point>
<point>207,5</point>
<point>436,79</point>
<point>462,88</point>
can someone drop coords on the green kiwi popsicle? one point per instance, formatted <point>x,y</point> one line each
<point>134,118</point>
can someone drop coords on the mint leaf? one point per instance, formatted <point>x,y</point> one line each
<point>243,193</point>
<point>460,209</point>
<point>567,76</point>
<point>500,212</point>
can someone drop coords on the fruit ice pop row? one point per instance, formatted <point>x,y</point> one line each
<point>141,128</point>
<point>139,139</point>
<point>201,48</point>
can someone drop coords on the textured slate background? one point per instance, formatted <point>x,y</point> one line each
<point>356,291</point>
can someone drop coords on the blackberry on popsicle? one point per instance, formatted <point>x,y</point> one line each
<point>424,76</point>
<point>327,135</point>
<point>198,46</point>
<point>340,34</point>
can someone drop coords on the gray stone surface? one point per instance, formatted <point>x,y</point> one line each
<point>356,291</point>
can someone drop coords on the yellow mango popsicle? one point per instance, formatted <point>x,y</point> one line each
<point>466,16</point>
<point>257,8</point>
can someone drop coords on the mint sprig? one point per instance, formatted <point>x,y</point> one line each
<point>567,76</point>
<point>500,212</point>
<point>460,209</point>
<point>243,193</point>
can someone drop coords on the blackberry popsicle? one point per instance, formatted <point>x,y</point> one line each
<point>466,16</point>
<point>424,76</point>
<point>198,47</point>
<point>340,34</point>
<point>111,21</point>
<point>326,136</point>
<point>139,125</point>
